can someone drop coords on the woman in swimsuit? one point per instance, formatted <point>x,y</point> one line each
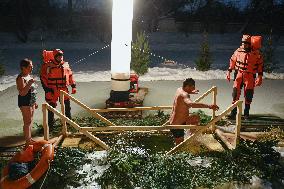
<point>27,97</point>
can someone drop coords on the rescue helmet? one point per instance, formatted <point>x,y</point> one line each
<point>256,42</point>
<point>57,52</point>
<point>47,56</point>
<point>246,39</point>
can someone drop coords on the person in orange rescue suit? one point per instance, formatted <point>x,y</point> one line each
<point>247,62</point>
<point>56,75</point>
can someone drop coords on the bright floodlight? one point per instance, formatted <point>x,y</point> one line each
<point>122,14</point>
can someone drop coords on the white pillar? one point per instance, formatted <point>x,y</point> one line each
<point>122,15</point>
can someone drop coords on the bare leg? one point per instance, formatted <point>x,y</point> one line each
<point>192,119</point>
<point>27,112</point>
<point>179,140</point>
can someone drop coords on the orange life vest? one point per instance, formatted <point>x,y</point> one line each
<point>250,62</point>
<point>58,75</point>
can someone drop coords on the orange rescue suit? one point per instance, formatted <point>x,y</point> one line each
<point>56,77</point>
<point>246,64</point>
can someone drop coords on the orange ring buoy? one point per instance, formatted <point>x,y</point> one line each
<point>47,154</point>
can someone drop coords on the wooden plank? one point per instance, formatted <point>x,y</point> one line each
<point>201,142</point>
<point>64,126</point>
<point>88,109</point>
<point>77,127</point>
<point>245,135</point>
<point>71,142</point>
<point>225,139</point>
<point>44,122</point>
<point>238,124</point>
<point>96,140</point>
<point>140,128</point>
<point>214,101</point>
<point>58,140</point>
<point>132,109</point>
<point>205,94</point>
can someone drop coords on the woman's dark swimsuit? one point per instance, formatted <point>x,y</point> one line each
<point>30,98</point>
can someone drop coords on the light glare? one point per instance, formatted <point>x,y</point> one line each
<point>122,15</point>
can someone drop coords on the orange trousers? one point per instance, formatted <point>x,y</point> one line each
<point>247,80</point>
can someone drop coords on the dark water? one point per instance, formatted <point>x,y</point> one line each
<point>150,142</point>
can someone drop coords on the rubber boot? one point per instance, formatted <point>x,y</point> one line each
<point>51,117</point>
<point>67,108</point>
<point>233,114</point>
<point>246,111</point>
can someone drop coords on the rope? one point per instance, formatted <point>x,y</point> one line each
<point>92,54</point>
<point>95,52</point>
<point>45,176</point>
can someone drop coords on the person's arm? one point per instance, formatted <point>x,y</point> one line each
<point>72,82</point>
<point>232,65</point>
<point>192,104</point>
<point>22,88</point>
<point>258,81</point>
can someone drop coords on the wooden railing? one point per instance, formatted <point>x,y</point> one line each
<point>111,126</point>
<point>237,104</point>
<point>46,107</point>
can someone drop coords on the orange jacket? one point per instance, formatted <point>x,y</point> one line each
<point>250,62</point>
<point>56,75</point>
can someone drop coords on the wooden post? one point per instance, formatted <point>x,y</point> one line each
<point>224,139</point>
<point>64,127</point>
<point>214,102</point>
<point>77,127</point>
<point>238,124</point>
<point>58,141</point>
<point>44,122</point>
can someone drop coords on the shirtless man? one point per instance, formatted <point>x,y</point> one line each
<point>180,112</point>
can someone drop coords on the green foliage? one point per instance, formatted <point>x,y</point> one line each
<point>2,69</point>
<point>204,118</point>
<point>123,165</point>
<point>64,168</point>
<point>204,60</point>
<point>140,54</point>
<point>150,120</point>
<point>129,169</point>
<point>269,60</point>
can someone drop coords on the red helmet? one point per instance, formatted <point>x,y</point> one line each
<point>47,56</point>
<point>256,42</point>
<point>57,52</point>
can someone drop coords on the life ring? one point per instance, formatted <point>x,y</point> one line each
<point>47,154</point>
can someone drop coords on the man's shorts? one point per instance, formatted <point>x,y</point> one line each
<point>177,133</point>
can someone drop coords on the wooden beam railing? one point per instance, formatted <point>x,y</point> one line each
<point>112,127</point>
<point>46,107</point>
<point>141,128</point>
<point>237,104</point>
<point>64,128</point>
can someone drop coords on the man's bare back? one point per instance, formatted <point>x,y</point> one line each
<point>180,111</point>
